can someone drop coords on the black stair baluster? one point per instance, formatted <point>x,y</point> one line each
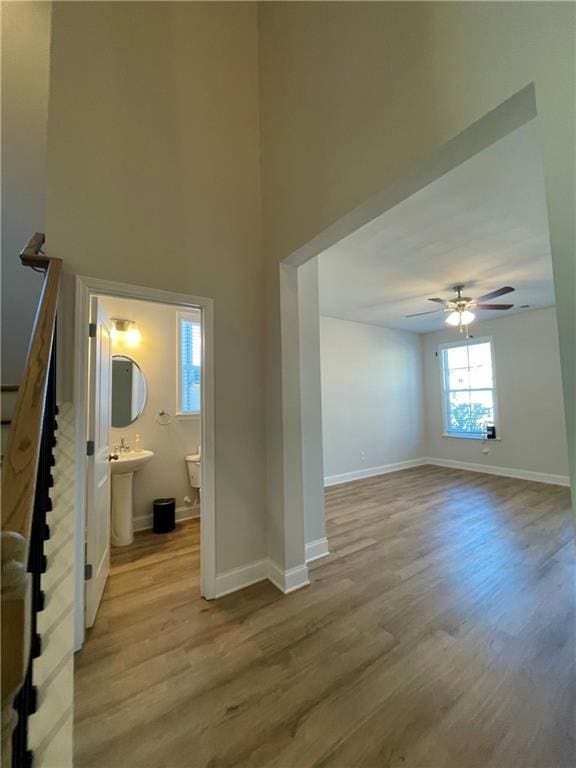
<point>26,701</point>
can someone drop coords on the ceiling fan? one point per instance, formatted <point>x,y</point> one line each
<point>460,308</point>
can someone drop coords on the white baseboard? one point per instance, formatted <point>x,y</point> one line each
<point>488,469</point>
<point>360,474</point>
<point>246,575</point>
<point>144,522</point>
<point>238,578</point>
<point>317,549</point>
<point>290,580</point>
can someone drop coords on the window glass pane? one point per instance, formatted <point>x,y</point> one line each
<point>190,366</point>
<point>481,378</point>
<point>480,365</point>
<point>480,354</point>
<point>456,357</point>
<point>459,415</point>
<point>481,409</point>
<point>459,378</point>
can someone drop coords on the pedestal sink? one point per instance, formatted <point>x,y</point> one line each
<point>123,468</point>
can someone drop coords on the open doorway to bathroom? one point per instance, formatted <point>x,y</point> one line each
<point>155,437</point>
<point>144,390</point>
<point>155,414</point>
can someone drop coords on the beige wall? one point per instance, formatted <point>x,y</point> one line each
<point>153,179</point>
<point>531,423</point>
<point>353,95</point>
<point>25,60</point>
<point>372,397</point>
<point>156,354</point>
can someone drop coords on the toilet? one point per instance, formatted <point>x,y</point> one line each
<point>194,470</point>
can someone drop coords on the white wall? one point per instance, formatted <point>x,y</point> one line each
<point>531,428</point>
<point>25,59</point>
<point>372,396</point>
<point>156,354</point>
<point>382,395</point>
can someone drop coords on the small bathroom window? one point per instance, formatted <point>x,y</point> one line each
<point>189,363</point>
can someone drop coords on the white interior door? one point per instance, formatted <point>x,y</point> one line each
<point>99,473</point>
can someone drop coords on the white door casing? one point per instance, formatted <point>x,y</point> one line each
<point>87,288</point>
<point>99,472</point>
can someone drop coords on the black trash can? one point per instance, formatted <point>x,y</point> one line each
<point>164,511</point>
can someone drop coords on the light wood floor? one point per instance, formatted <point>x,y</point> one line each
<point>439,633</point>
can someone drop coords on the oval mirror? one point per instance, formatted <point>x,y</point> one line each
<point>128,391</point>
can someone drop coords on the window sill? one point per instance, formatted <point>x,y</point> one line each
<point>188,415</point>
<point>472,437</point>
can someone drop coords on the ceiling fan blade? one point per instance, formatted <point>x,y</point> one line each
<point>495,294</point>
<point>419,314</point>
<point>493,306</point>
<point>441,301</point>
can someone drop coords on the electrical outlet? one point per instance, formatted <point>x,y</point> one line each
<point>485,450</point>
<point>362,455</point>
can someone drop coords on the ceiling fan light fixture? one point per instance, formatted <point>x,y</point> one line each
<point>460,317</point>
<point>466,317</point>
<point>458,309</point>
<point>453,318</point>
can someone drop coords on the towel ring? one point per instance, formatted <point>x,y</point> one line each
<point>163,418</point>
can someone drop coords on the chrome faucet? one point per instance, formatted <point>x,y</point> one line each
<point>122,446</point>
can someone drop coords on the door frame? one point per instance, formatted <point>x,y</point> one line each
<point>85,288</point>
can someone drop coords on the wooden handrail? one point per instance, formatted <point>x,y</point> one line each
<point>22,450</point>
<point>30,255</point>
<point>19,473</point>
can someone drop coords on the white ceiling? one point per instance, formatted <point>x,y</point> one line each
<point>484,224</point>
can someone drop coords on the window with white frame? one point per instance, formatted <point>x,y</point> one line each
<point>468,386</point>
<point>189,363</point>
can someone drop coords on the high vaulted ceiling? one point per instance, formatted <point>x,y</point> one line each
<point>484,224</point>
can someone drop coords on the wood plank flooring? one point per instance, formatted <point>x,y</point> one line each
<point>439,633</point>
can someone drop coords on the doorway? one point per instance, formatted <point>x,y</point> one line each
<point>302,392</point>
<point>144,394</point>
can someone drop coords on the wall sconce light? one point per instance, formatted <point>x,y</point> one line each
<point>126,332</point>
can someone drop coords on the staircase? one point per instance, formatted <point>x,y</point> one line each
<point>37,548</point>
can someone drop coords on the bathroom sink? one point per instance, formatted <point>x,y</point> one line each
<point>130,461</point>
<point>122,518</point>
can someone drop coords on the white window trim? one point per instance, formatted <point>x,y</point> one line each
<point>191,317</point>
<point>463,343</point>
